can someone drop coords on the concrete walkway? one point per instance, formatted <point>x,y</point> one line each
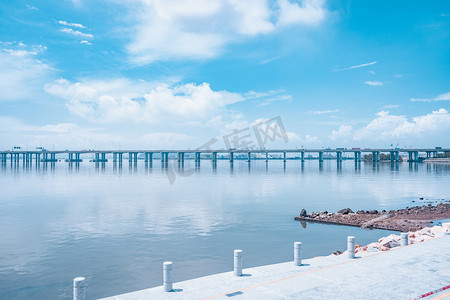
<point>401,273</point>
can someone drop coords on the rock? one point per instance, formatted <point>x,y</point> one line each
<point>303,213</point>
<point>345,211</point>
<point>337,252</point>
<point>373,212</point>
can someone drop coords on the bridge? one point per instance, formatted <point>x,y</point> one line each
<point>208,154</point>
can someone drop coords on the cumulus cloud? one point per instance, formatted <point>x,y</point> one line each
<point>387,126</point>
<point>308,12</point>
<point>441,97</point>
<point>77,33</point>
<point>122,99</point>
<point>64,135</point>
<point>424,129</point>
<point>200,29</point>
<point>342,133</point>
<point>23,75</point>
<point>374,83</point>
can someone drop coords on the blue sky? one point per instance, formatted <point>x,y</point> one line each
<point>159,74</point>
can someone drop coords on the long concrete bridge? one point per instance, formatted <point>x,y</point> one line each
<point>230,154</point>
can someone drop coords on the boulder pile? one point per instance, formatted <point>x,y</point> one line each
<point>393,240</point>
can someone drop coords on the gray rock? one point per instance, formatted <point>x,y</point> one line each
<point>303,213</point>
<point>345,211</point>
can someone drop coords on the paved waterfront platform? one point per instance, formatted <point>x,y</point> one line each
<point>401,273</point>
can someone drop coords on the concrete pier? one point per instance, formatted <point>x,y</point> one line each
<point>400,273</point>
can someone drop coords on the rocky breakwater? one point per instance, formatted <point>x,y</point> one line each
<point>393,240</point>
<point>405,220</point>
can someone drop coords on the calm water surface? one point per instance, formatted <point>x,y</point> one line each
<point>116,226</point>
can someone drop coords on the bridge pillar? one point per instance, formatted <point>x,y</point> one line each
<point>321,156</point>
<point>397,156</point>
<point>376,156</point>
<point>231,156</point>
<point>120,157</point>
<point>357,156</point>
<point>267,156</point>
<point>249,156</point>
<point>303,156</point>
<point>284,156</point>
<point>214,156</point>
<point>114,156</point>
<point>416,156</point>
<point>339,156</point>
<point>53,157</point>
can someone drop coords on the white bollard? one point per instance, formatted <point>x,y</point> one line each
<point>298,253</point>
<point>404,239</point>
<point>351,247</point>
<point>238,262</point>
<point>79,288</point>
<point>167,276</point>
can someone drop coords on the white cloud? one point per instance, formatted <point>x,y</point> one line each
<point>31,7</point>
<point>372,72</point>
<point>442,97</point>
<point>321,112</point>
<point>71,24</point>
<point>389,106</point>
<point>22,75</point>
<point>266,98</point>
<point>77,33</point>
<point>374,83</point>
<point>311,139</point>
<point>387,126</point>
<point>308,12</point>
<point>357,66</point>
<point>343,132</point>
<point>85,42</point>
<point>64,135</point>
<point>200,29</point>
<point>122,99</point>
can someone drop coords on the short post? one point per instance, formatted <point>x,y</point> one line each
<point>404,239</point>
<point>351,247</point>
<point>167,276</point>
<point>238,262</point>
<point>79,288</point>
<point>297,253</point>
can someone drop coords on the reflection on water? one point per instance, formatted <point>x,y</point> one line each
<point>115,223</point>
